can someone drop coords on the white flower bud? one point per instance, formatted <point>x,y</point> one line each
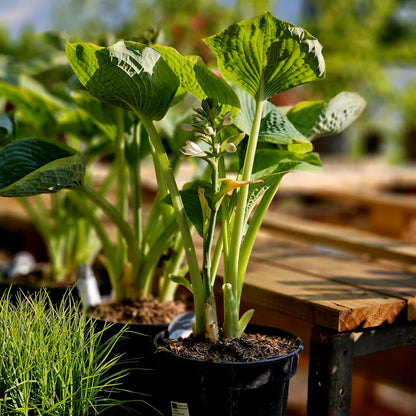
<point>192,149</point>
<point>186,127</point>
<point>231,148</point>
<point>227,119</point>
<point>209,131</point>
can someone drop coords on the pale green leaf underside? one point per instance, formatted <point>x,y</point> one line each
<point>277,162</point>
<point>126,74</point>
<point>265,56</point>
<point>198,80</point>
<point>275,127</point>
<point>322,118</point>
<point>32,166</point>
<point>270,165</point>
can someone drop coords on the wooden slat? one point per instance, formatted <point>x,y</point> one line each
<point>338,266</point>
<point>342,237</point>
<point>319,301</point>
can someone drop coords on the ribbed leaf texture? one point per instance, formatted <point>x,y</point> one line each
<point>32,166</point>
<point>126,74</point>
<point>265,56</point>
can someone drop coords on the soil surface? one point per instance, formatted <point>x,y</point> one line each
<point>248,348</point>
<point>150,311</point>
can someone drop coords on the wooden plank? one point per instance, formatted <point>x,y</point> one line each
<point>319,301</point>
<point>343,237</point>
<point>337,266</point>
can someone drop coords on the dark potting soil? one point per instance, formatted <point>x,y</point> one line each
<point>149,311</point>
<point>248,348</point>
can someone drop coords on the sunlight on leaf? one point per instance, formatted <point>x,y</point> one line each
<point>126,74</point>
<point>198,80</point>
<point>265,56</point>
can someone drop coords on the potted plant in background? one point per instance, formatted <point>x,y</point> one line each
<point>261,57</point>
<point>53,362</point>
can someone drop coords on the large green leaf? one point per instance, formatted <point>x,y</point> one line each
<point>32,166</point>
<point>322,118</point>
<point>127,74</point>
<point>265,56</point>
<point>197,79</point>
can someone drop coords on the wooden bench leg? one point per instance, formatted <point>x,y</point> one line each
<point>330,374</point>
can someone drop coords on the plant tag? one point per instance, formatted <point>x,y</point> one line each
<point>179,409</point>
<point>87,286</point>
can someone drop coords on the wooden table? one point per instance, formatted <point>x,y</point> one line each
<point>357,290</point>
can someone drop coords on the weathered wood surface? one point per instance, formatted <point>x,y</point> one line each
<point>328,287</point>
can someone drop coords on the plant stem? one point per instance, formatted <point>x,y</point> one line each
<point>119,221</point>
<point>249,238</point>
<point>150,262</point>
<point>162,158</point>
<point>135,186</point>
<point>172,266</point>
<point>233,260</point>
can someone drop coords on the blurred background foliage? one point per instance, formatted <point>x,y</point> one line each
<point>369,47</point>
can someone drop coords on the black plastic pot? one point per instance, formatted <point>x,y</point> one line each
<point>190,387</point>
<point>136,349</point>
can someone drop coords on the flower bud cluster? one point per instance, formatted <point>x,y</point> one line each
<point>206,128</point>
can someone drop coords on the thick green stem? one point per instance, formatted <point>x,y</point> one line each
<point>120,161</point>
<point>162,158</point>
<point>209,238</point>
<point>135,186</point>
<point>240,214</point>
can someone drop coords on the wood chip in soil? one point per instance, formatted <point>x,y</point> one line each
<point>248,348</point>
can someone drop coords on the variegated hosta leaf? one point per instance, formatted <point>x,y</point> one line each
<point>322,118</point>
<point>127,74</point>
<point>198,80</point>
<point>277,129</point>
<point>32,166</point>
<point>275,126</point>
<point>265,56</point>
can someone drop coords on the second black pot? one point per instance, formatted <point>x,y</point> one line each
<point>136,349</point>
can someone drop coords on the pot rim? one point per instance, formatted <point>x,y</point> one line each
<point>237,363</point>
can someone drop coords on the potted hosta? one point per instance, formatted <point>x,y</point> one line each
<point>235,129</point>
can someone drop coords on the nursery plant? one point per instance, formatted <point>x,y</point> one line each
<point>33,110</point>
<point>257,58</point>
<point>52,360</point>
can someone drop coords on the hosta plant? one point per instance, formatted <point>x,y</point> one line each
<point>235,130</point>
